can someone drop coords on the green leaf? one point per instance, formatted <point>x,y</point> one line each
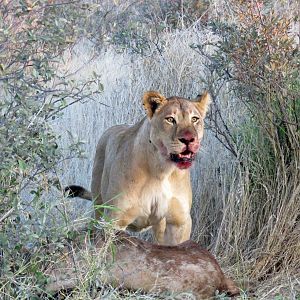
<point>22,165</point>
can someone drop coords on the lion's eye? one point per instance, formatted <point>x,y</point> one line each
<point>195,119</point>
<point>170,120</point>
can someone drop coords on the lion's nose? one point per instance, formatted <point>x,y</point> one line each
<point>187,141</point>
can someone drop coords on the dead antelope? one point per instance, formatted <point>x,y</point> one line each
<point>138,264</point>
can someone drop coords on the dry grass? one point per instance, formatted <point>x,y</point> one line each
<point>254,235</point>
<point>253,229</point>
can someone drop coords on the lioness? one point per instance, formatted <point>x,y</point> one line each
<point>143,170</point>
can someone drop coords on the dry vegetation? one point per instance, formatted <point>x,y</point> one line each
<point>87,70</point>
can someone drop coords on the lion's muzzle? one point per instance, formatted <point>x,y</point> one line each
<point>184,159</point>
<point>190,140</point>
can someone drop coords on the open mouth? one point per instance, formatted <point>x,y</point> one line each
<point>186,156</point>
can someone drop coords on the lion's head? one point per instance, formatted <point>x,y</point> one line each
<point>177,126</point>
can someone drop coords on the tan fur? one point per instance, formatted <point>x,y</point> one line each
<point>133,172</point>
<point>137,265</point>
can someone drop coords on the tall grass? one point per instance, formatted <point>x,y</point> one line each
<point>245,207</point>
<point>175,71</point>
<point>254,231</point>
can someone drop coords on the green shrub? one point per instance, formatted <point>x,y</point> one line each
<point>33,37</point>
<point>256,55</point>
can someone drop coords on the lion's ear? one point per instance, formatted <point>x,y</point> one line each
<point>152,101</point>
<point>203,101</point>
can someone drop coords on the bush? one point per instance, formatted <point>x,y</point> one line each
<point>245,205</point>
<point>257,57</point>
<point>33,92</point>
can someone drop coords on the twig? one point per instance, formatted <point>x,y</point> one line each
<point>7,214</point>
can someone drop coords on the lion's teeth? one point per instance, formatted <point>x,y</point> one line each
<point>185,155</point>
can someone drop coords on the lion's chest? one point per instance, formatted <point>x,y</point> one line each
<point>154,203</point>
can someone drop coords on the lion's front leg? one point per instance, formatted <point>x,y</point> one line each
<point>159,231</point>
<point>187,229</point>
<point>178,222</point>
<point>177,233</point>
